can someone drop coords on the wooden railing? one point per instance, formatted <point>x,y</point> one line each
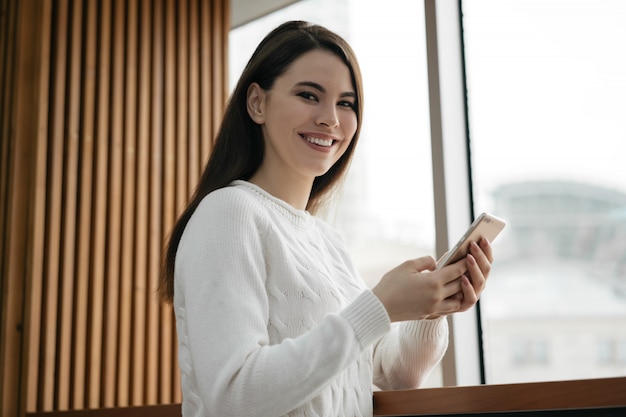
<point>561,395</point>
<point>594,397</point>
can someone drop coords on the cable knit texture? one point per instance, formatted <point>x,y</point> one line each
<point>274,320</point>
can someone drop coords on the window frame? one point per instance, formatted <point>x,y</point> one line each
<point>463,363</point>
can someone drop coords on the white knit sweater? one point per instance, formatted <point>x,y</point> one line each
<point>273,319</point>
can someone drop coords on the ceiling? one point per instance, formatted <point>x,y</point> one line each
<point>244,11</point>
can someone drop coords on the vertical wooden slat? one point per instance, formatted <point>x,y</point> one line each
<point>182,104</point>
<point>82,310</point>
<point>50,388</point>
<point>206,81</point>
<point>10,247</point>
<point>194,158</point>
<point>156,200</point>
<point>39,218</point>
<point>169,186</point>
<point>95,386</point>
<point>128,198</point>
<point>219,37</point>
<point>142,293</point>
<point>66,350</point>
<point>114,211</point>
<point>7,40</point>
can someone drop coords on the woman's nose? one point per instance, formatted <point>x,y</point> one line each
<point>328,116</point>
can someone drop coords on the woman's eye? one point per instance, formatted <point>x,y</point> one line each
<point>347,104</point>
<point>307,96</point>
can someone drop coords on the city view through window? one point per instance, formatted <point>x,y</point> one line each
<point>547,97</point>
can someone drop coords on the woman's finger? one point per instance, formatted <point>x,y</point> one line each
<point>470,297</point>
<point>481,258</point>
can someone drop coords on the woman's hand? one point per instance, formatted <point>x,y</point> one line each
<point>415,291</point>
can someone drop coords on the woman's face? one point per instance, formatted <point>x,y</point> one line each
<point>308,117</point>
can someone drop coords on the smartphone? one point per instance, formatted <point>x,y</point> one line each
<point>486,225</point>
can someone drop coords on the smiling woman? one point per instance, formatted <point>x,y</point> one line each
<point>268,301</point>
<point>320,112</point>
<point>382,221</point>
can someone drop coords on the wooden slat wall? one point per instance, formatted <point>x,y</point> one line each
<point>128,96</point>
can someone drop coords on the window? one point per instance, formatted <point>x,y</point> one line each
<point>546,84</point>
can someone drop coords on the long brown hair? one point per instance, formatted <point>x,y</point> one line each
<point>239,145</point>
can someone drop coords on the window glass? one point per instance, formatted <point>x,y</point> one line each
<point>546,83</point>
<point>385,210</point>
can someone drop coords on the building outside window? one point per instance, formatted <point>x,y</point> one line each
<point>546,102</point>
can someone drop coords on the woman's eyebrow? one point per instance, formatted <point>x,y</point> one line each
<point>321,89</point>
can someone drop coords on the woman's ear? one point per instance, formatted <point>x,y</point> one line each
<point>256,103</point>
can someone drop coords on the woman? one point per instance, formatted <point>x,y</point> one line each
<point>272,317</point>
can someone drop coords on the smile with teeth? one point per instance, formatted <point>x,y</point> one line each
<point>318,141</point>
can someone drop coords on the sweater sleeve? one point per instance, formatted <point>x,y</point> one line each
<point>406,355</point>
<point>222,313</point>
